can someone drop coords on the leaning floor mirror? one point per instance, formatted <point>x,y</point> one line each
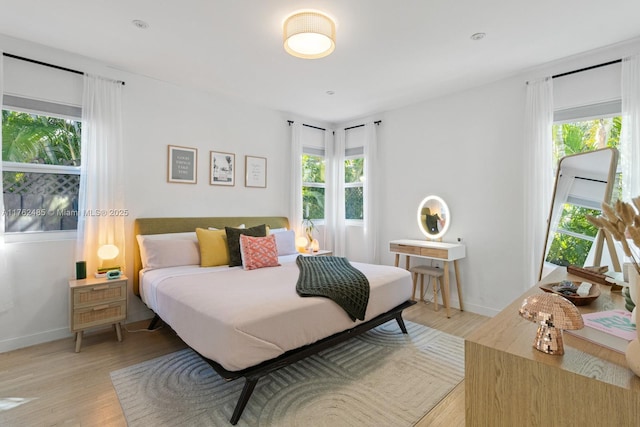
<point>583,182</point>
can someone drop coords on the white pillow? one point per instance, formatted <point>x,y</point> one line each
<point>286,242</point>
<point>276,230</point>
<point>169,250</point>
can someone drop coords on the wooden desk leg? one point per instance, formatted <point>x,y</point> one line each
<point>458,284</point>
<point>407,263</point>
<point>446,293</point>
<point>397,259</point>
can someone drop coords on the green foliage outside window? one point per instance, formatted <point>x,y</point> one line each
<point>572,138</point>
<point>313,175</point>
<point>313,190</point>
<point>31,138</point>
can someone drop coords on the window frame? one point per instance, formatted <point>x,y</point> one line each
<point>316,152</point>
<point>48,109</point>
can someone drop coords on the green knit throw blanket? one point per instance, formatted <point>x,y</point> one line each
<point>335,278</point>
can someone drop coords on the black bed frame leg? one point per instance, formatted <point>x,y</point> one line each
<point>249,385</point>
<point>403,328</point>
<point>153,323</point>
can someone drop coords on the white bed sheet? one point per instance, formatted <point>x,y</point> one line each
<point>240,318</point>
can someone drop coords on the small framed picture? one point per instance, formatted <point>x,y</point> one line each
<point>255,169</point>
<point>182,165</point>
<point>222,168</point>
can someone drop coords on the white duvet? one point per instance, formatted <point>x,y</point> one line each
<point>240,318</point>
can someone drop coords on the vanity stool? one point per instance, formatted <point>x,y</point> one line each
<point>432,272</point>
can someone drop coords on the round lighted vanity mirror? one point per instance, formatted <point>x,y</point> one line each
<point>433,217</point>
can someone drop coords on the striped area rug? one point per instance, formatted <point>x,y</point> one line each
<point>380,378</point>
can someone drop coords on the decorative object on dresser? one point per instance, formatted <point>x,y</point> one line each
<point>552,313</point>
<point>255,169</point>
<point>622,222</point>
<point>222,168</point>
<point>97,302</point>
<point>182,165</point>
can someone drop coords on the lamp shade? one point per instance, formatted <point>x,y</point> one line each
<point>309,35</point>
<point>108,252</point>
<point>553,313</point>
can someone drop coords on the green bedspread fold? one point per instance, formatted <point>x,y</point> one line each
<point>335,278</point>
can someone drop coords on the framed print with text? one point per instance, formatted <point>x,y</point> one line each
<point>255,169</point>
<point>182,164</point>
<point>222,168</point>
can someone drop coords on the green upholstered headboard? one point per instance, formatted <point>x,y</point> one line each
<point>178,225</point>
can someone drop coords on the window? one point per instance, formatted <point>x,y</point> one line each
<point>574,236</point>
<point>313,183</point>
<point>354,184</point>
<point>41,165</point>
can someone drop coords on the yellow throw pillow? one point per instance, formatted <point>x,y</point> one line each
<point>213,247</point>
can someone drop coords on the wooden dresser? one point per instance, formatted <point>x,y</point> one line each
<point>509,383</point>
<point>97,302</point>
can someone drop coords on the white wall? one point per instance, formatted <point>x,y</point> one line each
<point>155,115</point>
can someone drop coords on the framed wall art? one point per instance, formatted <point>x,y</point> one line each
<point>182,165</point>
<point>222,169</point>
<point>255,169</point>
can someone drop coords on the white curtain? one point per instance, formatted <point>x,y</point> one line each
<point>371,188</point>
<point>630,133</point>
<point>538,170</point>
<point>6,295</point>
<point>101,210</point>
<point>295,205</point>
<point>335,228</point>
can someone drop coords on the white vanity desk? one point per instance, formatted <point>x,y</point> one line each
<point>440,251</point>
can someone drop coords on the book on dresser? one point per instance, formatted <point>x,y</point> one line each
<point>612,329</point>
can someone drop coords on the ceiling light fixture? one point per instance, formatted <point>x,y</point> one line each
<point>309,35</point>
<point>478,36</point>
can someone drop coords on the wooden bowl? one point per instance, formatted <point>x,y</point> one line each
<point>594,293</point>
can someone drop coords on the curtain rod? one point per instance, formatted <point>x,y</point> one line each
<point>315,127</point>
<point>46,64</point>
<point>604,64</point>
<point>304,124</point>
<point>377,122</point>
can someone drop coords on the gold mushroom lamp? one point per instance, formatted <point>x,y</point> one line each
<point>553,313</point>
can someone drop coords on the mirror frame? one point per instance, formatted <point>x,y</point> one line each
<point>445,207</point>
<point>601,236</point>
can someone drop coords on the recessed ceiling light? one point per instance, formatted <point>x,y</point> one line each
<point>478,36</point>
<point>140,24</point>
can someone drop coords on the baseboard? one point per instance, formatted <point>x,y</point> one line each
<point>29,340</point>
<point>62,333</point>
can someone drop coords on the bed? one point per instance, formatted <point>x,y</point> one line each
<point>247,323</point>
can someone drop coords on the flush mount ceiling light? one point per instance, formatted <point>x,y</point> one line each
<point>309,35</point>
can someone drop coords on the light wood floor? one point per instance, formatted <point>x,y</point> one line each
<point>58,387</point>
